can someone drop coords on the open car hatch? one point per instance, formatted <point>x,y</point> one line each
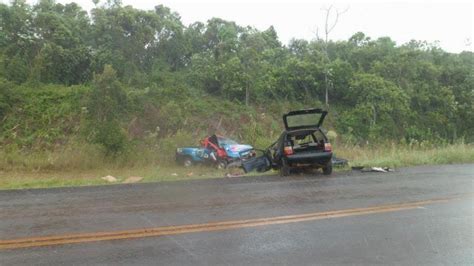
<point>301,119</point>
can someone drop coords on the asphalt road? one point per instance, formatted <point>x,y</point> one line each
<point>419,215</point>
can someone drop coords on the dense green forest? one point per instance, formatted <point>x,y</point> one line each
<point>118,77</point>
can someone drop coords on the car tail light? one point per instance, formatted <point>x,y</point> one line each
<point>288,150</point>
<point>327,147</point>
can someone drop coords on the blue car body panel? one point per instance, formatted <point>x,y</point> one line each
<point>234,152</point>
<point>197,154</point>
<point>237,151</point>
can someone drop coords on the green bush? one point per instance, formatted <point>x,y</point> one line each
<point>106,104</point>
<point>111,136</point>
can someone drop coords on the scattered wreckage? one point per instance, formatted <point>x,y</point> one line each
<point>215,150</point>
<point>302,144</point>
<point>373,169</point>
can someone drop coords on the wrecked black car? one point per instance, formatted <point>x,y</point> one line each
<point>302,145</point>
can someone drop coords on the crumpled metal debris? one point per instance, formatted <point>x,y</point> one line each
<point>233,175</point>
<point>373,169</point>
<point>338,161</point>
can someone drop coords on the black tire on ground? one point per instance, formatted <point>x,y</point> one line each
<point>187,162</point>
<point>327,170</point>
<point>285,168</point>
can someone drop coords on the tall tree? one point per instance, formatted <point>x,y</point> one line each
<point>329,26</point>
<point>107,103</point>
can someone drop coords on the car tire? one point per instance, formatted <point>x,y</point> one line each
<point>221,165</point>
<point>187,162</point>
<point>327,170</point>
<point>285,168</point>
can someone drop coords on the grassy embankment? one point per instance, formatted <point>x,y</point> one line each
<point>43,138</point>
<point>85,167</point>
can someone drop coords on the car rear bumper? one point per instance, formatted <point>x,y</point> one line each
<point>318,158</point>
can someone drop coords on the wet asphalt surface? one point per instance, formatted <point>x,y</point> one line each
<point>435,234</point>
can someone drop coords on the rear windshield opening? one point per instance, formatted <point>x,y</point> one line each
<point>304,141</point>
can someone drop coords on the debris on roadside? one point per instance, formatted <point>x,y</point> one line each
<point>109,178</point>
<point>132,179</point>
<point>373,169</point>
<point>229,175</point>
<point>174,174</point>
<point>339,161</point>
<point>190,174</point>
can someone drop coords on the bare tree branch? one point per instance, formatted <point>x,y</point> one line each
<point>328,12</point>
<point>316,33</point>
<point>338,13</point>
<point>328,27</point>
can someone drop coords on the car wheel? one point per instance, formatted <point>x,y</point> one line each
<point>221,165</point>
<point>285,168</point>
<point>187,162</point>
<point>327,170</point>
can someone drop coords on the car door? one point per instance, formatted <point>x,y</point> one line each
<point>302,119</point>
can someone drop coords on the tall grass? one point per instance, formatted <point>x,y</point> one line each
<point>81,156</point>
<point>399,155</point>
<point>79,163</point>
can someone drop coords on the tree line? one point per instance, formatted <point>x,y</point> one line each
<point>376,88</point>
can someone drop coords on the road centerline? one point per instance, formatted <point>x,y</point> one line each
<point>207,227</point>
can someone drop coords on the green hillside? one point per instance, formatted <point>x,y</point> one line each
<point>126,86</point>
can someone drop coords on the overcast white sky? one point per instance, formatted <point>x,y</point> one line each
<point>450,23</point>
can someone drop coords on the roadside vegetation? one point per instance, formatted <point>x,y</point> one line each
<point>86,166</point>
<point>116,91</point>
